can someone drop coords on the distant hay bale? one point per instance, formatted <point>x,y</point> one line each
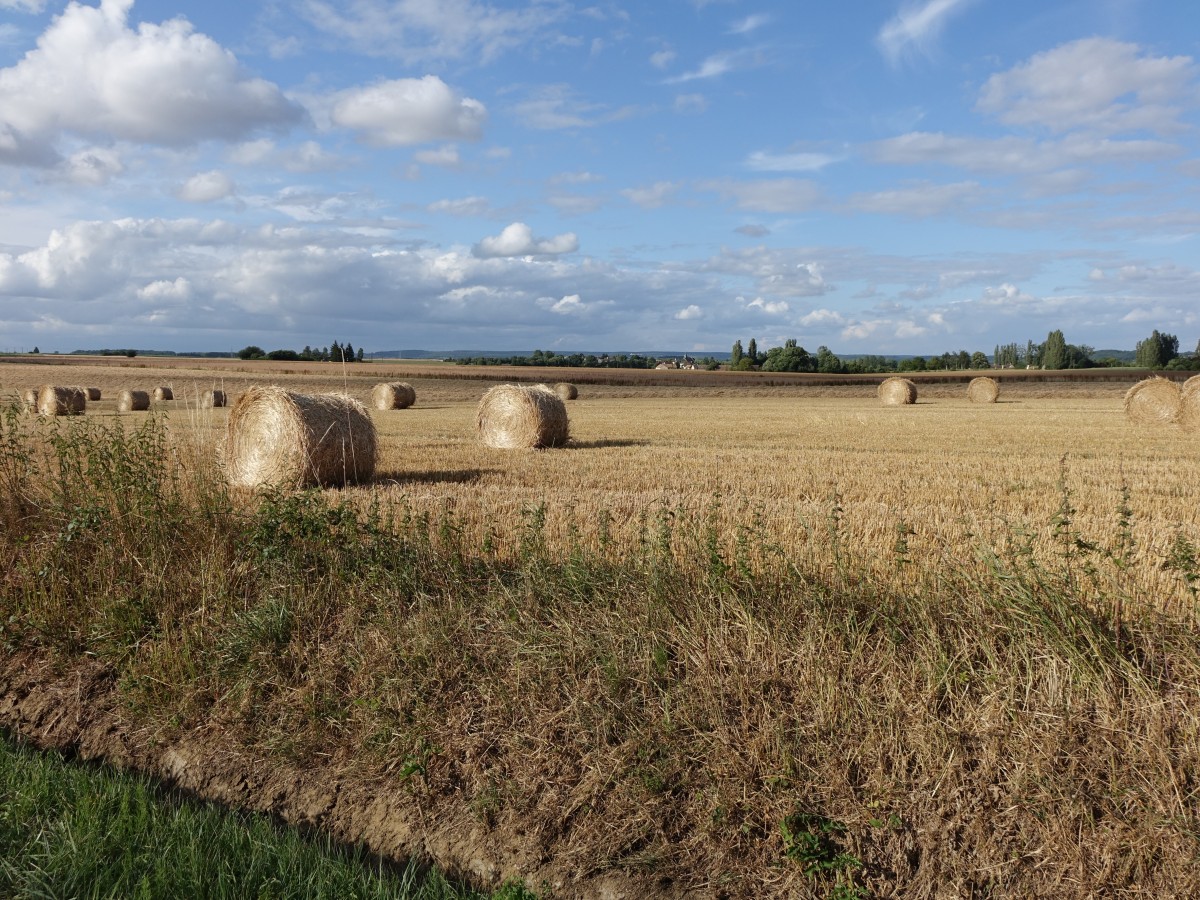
<point>280,438</point>
<point>896,391</point>
<point>983,390</point>
<point>1189,404</point>
<point>213,399</point>
<point>163,393</point>
<point>566,390</point>
<point>1153,401</point>
<point>393,395</point>
<point>29,398</point>
<point>92,394</point>
<point>513,416</point>
<point>133,401</point>
<point>54,400</point>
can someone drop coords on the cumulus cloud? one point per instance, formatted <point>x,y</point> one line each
<point>308,156</point>
<point>92,75</point>
<point>1098,84</point>
<point>567,305</point>
<point>92,166</point>
<point>205,187</point>
<point>171,291</point>
<point>689,312</point>
<point>916,27</point>
<point>518,240</point>
<point>407,111</point>
<point>770,307</point>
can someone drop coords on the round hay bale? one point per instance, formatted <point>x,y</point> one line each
<point>92,394</point>
<point>513,416</point>
<point>29,398</point>
<point>1189,404</point>
<point>1153,401</point>
<point>54,400</point>
<point>213,399</point>
<point>280,438</point>
<point>896,391</point>
<point>133,401</point>
<point>566,390</point>
<point>393,395</point>
<point>163,393</point>
<point>983,390</point>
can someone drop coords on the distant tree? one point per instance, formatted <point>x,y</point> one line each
<point>1033,353</point>
<point>752,352</point>
<point>348,352</point>
<point>1054,351</point>
<point>827,362</point>
<point>36,350</point>
<point>736,354</point>
<point>131,353</point>
<point>251,352</point>
<point>789,358</point>
<point>335,352</point>
<point>913,364</point>
<point>1156,351</point>
<point>979,360</point>
<point>283,355</point>
<point>359,356</point>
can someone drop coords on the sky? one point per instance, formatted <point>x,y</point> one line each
<point>884,176</point>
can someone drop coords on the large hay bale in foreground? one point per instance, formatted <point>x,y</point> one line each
<point>213,399</point>
<point>896,391</point>
<point>983,390</point>
<point>513,416</point>
<point>280,438</point>
<point>133,401</point>
<point>1189,404</point>
<point>163,393</point>
<point>54,400</point>
<point>393,395</point>
<point>29,399</point>
<point>1153,401</point>
<point>92,394</point>
<point>566,390</point>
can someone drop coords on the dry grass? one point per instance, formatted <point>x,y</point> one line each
<point>54,400</point>
<point>566,391</point>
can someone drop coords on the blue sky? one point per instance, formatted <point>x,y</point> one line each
<point>903,177</point>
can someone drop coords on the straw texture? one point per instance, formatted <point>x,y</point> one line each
<point>393,395</point>
<point>983,390</point>
<point>514,416</point>
<point>896,391</point>
<point>1153,401</point>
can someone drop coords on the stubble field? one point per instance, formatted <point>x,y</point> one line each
<point>742,637</point>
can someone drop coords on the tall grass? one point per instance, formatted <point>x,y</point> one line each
<point>697,704</point>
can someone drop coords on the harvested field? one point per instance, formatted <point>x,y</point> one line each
<point>723,617</point>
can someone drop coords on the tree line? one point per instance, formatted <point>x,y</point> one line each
<point>568,360</point>
<point>335,352</point>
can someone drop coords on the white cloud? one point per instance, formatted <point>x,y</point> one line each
<point>760,161</point>
<point>770,307</point>
<point>409,111</point>
<point>555,106</point>
<point>567,305</point>
<point>1097,84</point>
<point>422,31</point>
<point>91,75</point>
<point>205,187</point>
<point>464,206</point>
<point>308,156</point>
<point>445,156</point>
<point>689,312</point>
<point>719,64</point>
<point>778,195</point>
<point>691,104</point>
<point>652,196</point>
<point>178,290</point>
<point>823,318</point>
<point>92,166</point>
<point>749,24</point>
<point>28,6</point>
<point>916,27</point>
<point>517,240</point>
<point>920,200</point>
<point>662,58</point>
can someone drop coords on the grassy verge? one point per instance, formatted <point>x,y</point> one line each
<point>68,830</point>
<point>729,719</point>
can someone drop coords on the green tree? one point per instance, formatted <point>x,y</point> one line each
<point>788,358</point>
<point>979,360</point>
<point>348,352</point>
<point>251,352</point>
<point>735,356</point>
<point>1054,351</point>
<point>752,352</point>
<point>359,356</point>
<point>827,362</point>
<point>1156,351</point>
